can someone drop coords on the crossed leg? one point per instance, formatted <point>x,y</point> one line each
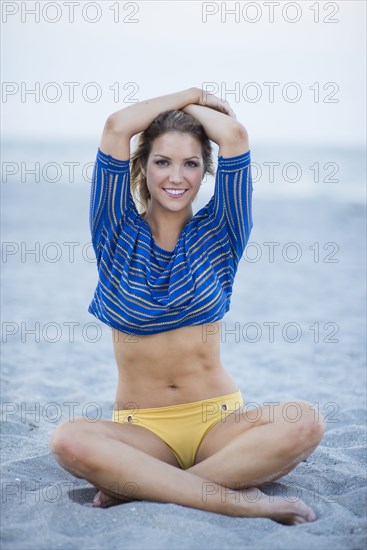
<point>238,455</point>
<point>259,445</point>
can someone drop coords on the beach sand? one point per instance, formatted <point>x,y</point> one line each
<point>55,359</point>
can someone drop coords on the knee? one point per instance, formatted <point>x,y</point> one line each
<point>306,426</point>
<point>66,441</point>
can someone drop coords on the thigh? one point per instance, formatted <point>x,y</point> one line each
<point>131,434</point>
<point>247,418</point>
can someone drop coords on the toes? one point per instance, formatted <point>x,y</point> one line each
<point>98,499</point>
<point>311,516</point>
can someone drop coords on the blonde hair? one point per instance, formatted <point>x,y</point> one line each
<point>168,121</point>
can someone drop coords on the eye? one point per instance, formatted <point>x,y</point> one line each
<point>161,162</point>
<point>192,164</point>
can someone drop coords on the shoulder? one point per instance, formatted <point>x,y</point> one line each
<point>111,163</point>
<point>234,163</point>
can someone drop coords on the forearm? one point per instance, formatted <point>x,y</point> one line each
<point>136,118</point>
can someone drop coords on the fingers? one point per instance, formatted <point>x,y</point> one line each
<point>225,108</point>
<point>228,109</point>
<point>219,104</point>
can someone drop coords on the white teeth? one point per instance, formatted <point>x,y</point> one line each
<point>175,191</point>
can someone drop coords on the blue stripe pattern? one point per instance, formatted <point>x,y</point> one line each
<point>143,289</point>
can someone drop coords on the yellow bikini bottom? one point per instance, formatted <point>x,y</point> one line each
<point>183,427</point>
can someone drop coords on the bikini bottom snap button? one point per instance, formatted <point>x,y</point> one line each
<point>224,407</point>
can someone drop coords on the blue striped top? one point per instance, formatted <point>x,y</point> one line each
<point>142,288</point>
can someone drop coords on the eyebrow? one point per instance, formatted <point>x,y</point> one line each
<point>193,157</point>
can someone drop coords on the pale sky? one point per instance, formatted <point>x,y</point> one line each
<point>316,70</point>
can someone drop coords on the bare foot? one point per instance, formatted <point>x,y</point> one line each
<point>255,503</point>
<point>249,502</point>
<point>103,500</point>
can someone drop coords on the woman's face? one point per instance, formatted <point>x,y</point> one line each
<point>174,170</point>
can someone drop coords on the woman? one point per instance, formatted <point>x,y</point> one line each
<point>180,432</point>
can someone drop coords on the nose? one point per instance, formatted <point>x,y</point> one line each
<point>175,175</point>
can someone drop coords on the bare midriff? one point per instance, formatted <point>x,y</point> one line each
<point>170,368</point>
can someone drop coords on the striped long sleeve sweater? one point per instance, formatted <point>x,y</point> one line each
<point>142,288</point>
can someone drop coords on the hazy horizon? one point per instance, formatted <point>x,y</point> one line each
<point>296,75</point>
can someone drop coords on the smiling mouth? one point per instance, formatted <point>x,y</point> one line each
<point>175,192</point>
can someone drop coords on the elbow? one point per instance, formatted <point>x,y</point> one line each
<point>111,124</point>
<point>234,141</point>
<point>116,123</point>
<point>235,133</point>
<point>238,132</point>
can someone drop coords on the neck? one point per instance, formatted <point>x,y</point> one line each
<point>167,223</point>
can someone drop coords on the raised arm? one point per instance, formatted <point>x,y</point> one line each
<point>229,134</point>
<point>217,118</point>
<point>122,125</point>
<point>230,208</point>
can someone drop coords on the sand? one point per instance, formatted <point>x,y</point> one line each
<point>43,507</point>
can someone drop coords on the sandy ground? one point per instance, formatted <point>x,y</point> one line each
<point>55,360</point>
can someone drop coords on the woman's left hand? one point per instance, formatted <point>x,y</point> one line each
<point>214,102</point>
